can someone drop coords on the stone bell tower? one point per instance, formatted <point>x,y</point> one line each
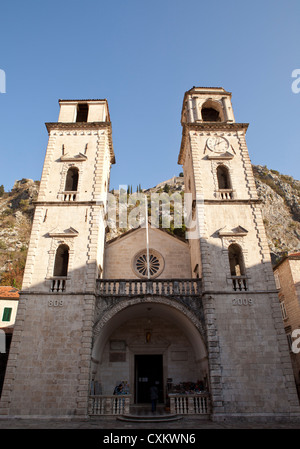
<point>250,372</point>
<point>49,363</point>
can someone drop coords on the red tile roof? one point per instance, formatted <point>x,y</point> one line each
<point>9,292</point>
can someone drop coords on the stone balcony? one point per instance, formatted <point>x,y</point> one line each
<point>180,288</point>
<point>187,292</point>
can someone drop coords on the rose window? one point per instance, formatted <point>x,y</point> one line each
<point>156,264</point>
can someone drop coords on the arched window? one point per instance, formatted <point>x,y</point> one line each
<point>237,267</point>
<point>61,261</point>
<point>223,178</point>
<point>212,111</point>
<point>236,261</point>
<point>72,180</point>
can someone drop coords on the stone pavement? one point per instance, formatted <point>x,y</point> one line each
<point>113,423</point>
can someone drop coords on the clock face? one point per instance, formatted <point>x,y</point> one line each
<point>217,144</point>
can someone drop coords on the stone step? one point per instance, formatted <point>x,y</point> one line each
<point>149,418</point>
<point>143,413</point>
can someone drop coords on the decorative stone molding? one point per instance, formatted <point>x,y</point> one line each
<point>77,158</point>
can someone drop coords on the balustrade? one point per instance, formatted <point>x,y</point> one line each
<point>225,194</point>
<point>58,284</point>
<point>190,404</point>
<point>69,196</point>
<point>239,283</point>
<point>109,405</point>
<point>161,287</point>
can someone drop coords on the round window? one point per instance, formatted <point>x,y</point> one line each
<point>140,263</point>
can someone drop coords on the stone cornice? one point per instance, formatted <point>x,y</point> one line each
<point>77,126</point>
<point>49,294</point>
<point>234,201</point>
<point>68,203</point>
<point>209,127</point>
<point>238,292</point>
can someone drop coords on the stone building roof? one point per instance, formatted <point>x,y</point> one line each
<point>291,256</point>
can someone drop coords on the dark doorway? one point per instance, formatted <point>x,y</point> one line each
<point>148,372</point>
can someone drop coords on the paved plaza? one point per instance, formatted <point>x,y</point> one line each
<point>113,423</point>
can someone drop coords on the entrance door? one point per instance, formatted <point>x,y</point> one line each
<point>148,372</point>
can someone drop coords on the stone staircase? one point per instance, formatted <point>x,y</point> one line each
<point>142,413</point>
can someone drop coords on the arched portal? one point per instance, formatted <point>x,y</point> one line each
<point>148,341</point>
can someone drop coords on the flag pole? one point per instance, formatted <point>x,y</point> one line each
<point>147,238</point>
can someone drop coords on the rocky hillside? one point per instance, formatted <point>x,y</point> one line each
<point>281,210</point>
<point>16,214</point>
<point>279,193</point>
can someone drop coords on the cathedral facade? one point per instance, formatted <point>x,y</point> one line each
<point>100,321</point>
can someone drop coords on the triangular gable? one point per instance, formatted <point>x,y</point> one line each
<point>141,229</point>
<point>57,232</point>
<point>238,231</point>
<point>77,157</point>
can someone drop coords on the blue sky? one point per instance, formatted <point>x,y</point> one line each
<point>142,56</point>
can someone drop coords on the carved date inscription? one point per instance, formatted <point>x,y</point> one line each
<point>55,303</point>
<point>242,301</point>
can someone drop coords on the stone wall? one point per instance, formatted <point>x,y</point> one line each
<point>49,361</point>
<point>119,254</point>
<point>288,272</point>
